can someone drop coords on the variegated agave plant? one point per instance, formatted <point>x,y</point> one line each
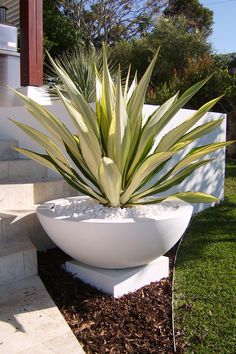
<point>113,156</point>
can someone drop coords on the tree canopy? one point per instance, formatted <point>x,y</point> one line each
<point>110,21</point>
<point>59,32</point>
<point>199,18</point>
<point>176,44</point>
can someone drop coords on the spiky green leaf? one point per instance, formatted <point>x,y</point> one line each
<point>144,170</point>
<point>177,133</point>
<point>171,181</point>
<point>89,143</point>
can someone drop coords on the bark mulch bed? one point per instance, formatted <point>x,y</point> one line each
<point>137,323</point>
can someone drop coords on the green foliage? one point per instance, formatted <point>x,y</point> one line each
<point>170,35</point>
<point>59,33</point>
<point>226,81</point>
<point>195,69</point>
<point>226,60</point>
<point>204,285</point>
<point>136,52</point>
<point>199,18</point>
<point>115,153</point>
<point>222,83</point>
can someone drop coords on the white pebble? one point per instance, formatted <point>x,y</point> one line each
<point>87,208</point>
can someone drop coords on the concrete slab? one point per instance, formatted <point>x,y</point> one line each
<point>118,282</point>
<point>31,323</point>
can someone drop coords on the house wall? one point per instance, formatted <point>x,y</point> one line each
<point>208,179</point>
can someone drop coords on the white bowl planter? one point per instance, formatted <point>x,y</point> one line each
<point>114,242</point>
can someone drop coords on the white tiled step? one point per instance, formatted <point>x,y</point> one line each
<point>18,259</point>
<point>23,194</point>
<point>6,152</point>
<point>14,169</point>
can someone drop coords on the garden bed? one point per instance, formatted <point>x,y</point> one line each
<point>140,322</point>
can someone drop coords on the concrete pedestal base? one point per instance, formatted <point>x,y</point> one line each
<point>118,282</point>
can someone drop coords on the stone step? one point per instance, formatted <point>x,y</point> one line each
<point>25,193</point>
<point>6,152</point>
<point>8,228</point>
<point>14,224</point>
<point>16,169</point>
<point>30,322</point>
<point>18,259</point>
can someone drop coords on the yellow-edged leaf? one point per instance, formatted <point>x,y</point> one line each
<point>198,153</point>
<point>171,181</point>
<point>49,121</point>
<point>119,133</point>
<point>189,197</point>
<point>196,197</point>
<point>98,96</point>
<point>197,133</point>
<point>40,158</point>
<point>107,100</point>
<point>127,83</point>
<point>148,132</point>
<point>89,143</point>
<point>132,88</point>
<point>46,142</point>
<point>135,105</point>
<point>136,101</point>
<point>110,180</point>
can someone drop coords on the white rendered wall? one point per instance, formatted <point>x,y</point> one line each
<point>208,179</point>
<point>9,75</point>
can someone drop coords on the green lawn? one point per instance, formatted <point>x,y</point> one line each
<point>205,277</point>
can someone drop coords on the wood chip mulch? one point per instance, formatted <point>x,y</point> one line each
<point>137,323</point>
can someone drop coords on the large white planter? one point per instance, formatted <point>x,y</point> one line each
<point>115,243</point>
